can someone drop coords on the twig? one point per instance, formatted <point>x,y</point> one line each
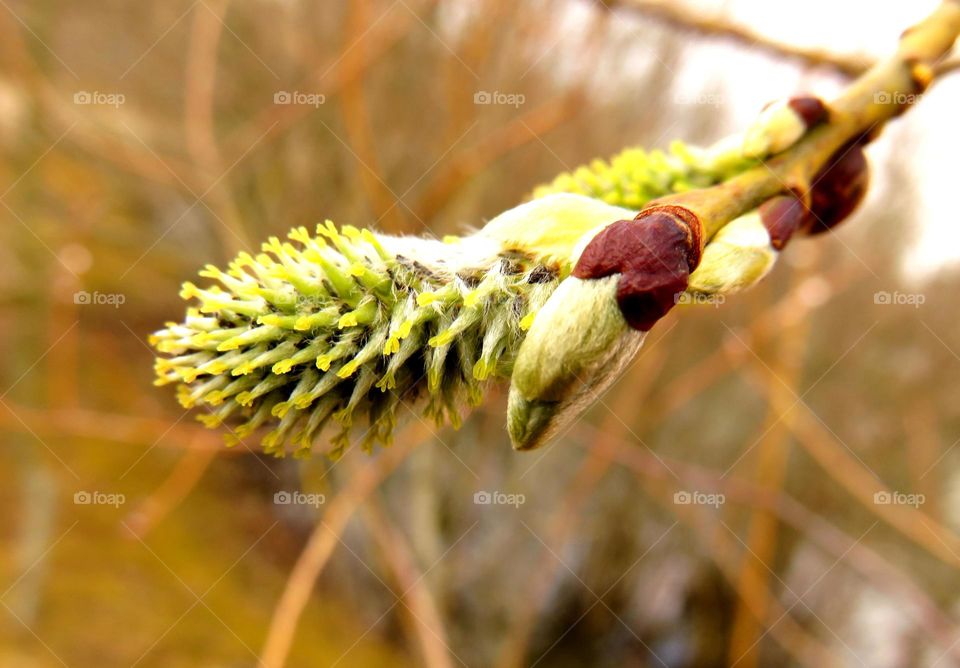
<point>360,133</point>
<point>719,548</point>
<point>477,44</point>
<point>520,131</point>
<point>772,457</point>
<point>730,354</point>
<point>836,461</point>
<point>686,18</point>
<point>131,156</point>
<point>187,472</point>
<point>108,427</point>
<point>923,453</point>
<point>199,123</point>
<point>416,596</point>
<point>862,109</point>
<point>321,544</point>
<point>274,120</point>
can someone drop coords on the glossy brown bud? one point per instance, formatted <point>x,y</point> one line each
<point>782,216</point>
<point>838,189</point>
<point>654,255</point>
<point>810,109</point>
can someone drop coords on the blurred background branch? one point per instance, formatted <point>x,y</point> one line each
<point>716,24</point>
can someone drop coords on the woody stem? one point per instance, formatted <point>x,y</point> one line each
<point>863,108</point>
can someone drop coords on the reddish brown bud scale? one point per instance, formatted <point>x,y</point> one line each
<point>838,189</point>
<point>810,109</point>
<point>653,254</point>
<point>687,219</point>
<point>782,216</point>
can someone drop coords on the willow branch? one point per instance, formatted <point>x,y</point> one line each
<point>683,18</point>
<point>770,473</point>
<point>320,546</point>
<point>425,617</point>
<point>866,105</point>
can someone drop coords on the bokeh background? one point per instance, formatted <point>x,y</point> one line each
<point>774,482</point>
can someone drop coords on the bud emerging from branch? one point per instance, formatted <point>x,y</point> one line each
<point>627,278</point>
<point>347,323</point>
<point>579,343</point>
<point>736,258</point>
<point>653,256</point>
<point>838,189</point>
<point>746,248</point>
<point>781,124</point>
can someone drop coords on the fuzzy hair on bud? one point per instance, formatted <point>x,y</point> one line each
<point>781,124</point>
<point>737,257</point>
<point>578,345</point>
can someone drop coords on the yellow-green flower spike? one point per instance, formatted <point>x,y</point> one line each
<point>634,177</point>
<point>349,324</point>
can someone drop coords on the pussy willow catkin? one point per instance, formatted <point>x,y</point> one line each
<point>634,176</point>
<point>346,323</point>
<point>348,327</point>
